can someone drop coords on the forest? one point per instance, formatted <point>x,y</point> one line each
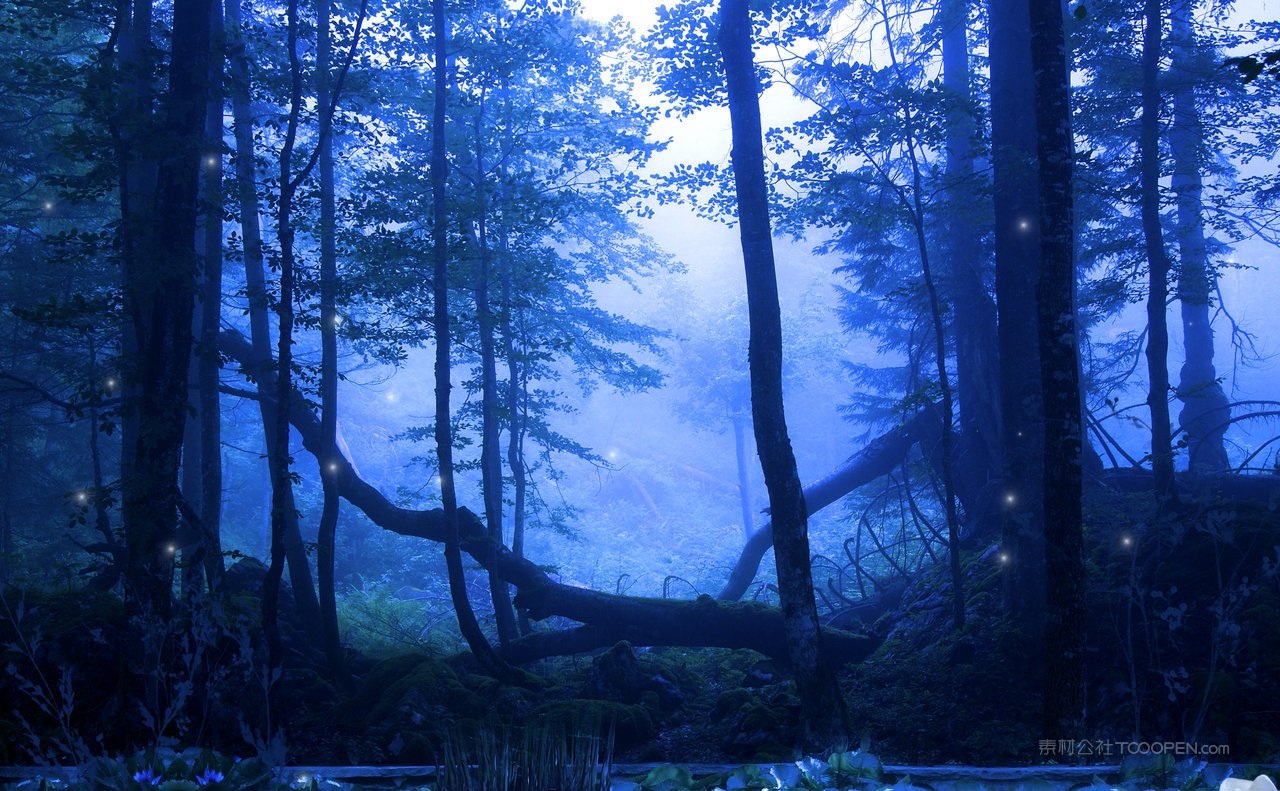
<point>536,384</point>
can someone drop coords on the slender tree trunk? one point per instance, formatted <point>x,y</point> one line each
<point>256,290</point>
<point>467,622</point>
<point>329,466</point>
<point>744,475</point>
<point>490,422</point>
<point>1017,254</point>
<point>281,462</point>
<point>974,316</point>
<point>1205,410</point>
<point>1157,260</point>
<point>823,715</point>
<point>1059,381</point>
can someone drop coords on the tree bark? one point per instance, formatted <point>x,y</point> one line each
<point>974,314</point>
<point>1017,251</point>
<point>158,200</point>
<point>1205,409</point>
<point>823,715</point>
<point>467,622</point>
<point>327,534</point>
<point>1157,259</point>
<point>490,425</point>
<point>1059,380</point>
<point>262,363</point>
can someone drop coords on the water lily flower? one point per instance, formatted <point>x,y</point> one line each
<point>209,775</point>
<point>146,777</point>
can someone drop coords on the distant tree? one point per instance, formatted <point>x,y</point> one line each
<point>1157,258</point>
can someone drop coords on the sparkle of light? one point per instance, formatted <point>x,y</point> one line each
<point>1010,499</point>
<point>48,205</point>
<point>391,396</point>
<point>1004,557</point>
<point>81,496</point>
<point>1024,225</point>
<point>613,454</point>
<point>111,383</point>
<point>1127,541</point>
<point>333,467</point>
<point>211,161</point>
<point>172,549</point>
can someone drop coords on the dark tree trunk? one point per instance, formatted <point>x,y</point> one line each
<point>256,291</point>
<point>974,314</point>
<point>823,715</point>
<point>281,463</point>
<point>467,622</point>
<point>204,454</point>
<point>490,422</point>
<point>1157,259</point>
<point>1205,410</point>
<point>1017,253</point>
<point>157,233</point>
<point>1059,380</point>
<point>327,534</point>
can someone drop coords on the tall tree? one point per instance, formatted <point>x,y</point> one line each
<point>467,622</point>
<point>258,301</point>
<point>1059,378</point>
<point>1206,411</point>
<point>329,463</point>
<point>824,718</point>
<point>1157,257</point>
<point>1017,253</point>
<point>974,312</point>
<point>159,183</point>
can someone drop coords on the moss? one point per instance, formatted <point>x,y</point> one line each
<point>430,690</point>
<point>632,724</point>
<point>731,701</point>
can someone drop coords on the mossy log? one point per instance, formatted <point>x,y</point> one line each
<point>703,622</point>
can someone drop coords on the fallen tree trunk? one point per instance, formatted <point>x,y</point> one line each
<point>880,457</point>
<point>702,622</point>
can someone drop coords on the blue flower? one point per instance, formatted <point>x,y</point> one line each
<point>209,776</point>
<point>146,777</point>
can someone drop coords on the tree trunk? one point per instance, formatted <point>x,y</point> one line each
<point>823,715</point>
<point>1017,253</point>
<point>157,233</point>
<point>490,423</point>
<point>281,481</point>
<point>467,622</point>
<point>974,314</point>
<point>327,535</point>
<point>1157,260</point>
<point>1059,380</point>
<point>1205,410</point>
<point>256,291</point>
<point>207,458</point>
